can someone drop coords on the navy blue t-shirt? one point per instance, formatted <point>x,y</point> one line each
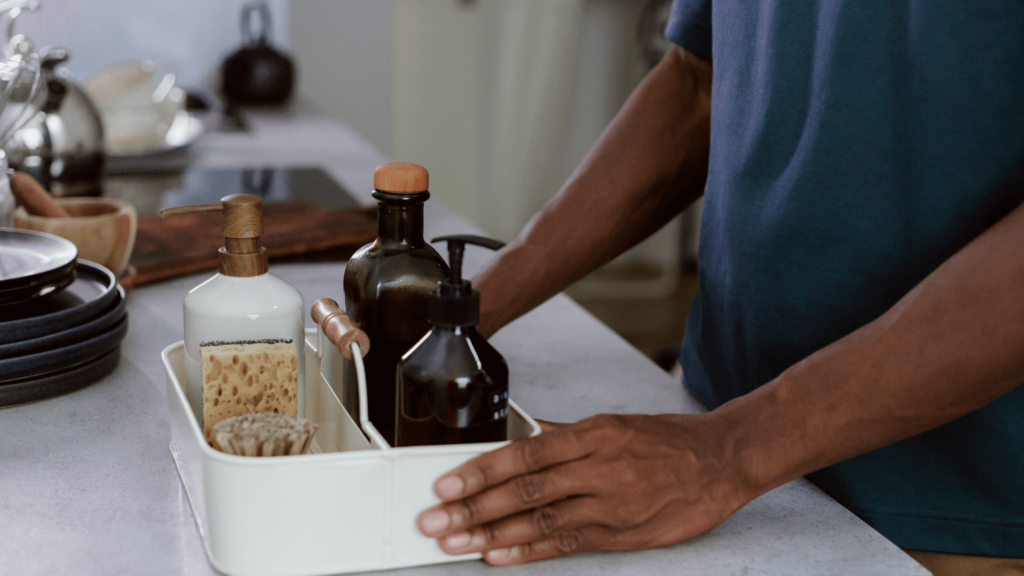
<point>855,146</point>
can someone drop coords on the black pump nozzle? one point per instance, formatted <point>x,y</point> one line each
<point>457,247</point>
<point>455,303</point>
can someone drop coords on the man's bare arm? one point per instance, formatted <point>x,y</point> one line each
<point>950,346</point>
<point>627,482</point>
<point>649,164</point>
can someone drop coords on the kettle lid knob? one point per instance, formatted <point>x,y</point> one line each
<point>51,56</point>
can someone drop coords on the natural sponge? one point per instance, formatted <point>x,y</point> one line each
<point>263,435</point>
<point>244,377</point>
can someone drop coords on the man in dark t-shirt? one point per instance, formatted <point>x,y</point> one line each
<point>861,309</point>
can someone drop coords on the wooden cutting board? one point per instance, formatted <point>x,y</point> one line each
<point>291,231</point>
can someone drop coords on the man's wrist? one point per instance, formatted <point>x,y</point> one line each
<point>509,286</point>
<point>708,442</point>
<point>751,440</point>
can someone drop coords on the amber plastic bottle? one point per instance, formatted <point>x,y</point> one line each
<point>387,285</point>
<point>453,386</point>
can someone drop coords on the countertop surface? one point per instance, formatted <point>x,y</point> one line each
<point>87,484</point>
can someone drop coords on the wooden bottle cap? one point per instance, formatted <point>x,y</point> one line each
<point>401,178</point>
<point>339,327</point>
<point>242,226</point>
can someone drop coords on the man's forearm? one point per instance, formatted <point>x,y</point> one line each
<point>950,346</point>
<point>649,164</point>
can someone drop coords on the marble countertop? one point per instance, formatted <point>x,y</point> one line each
<point>87,484</point>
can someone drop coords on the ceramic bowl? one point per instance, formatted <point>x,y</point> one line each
<point>138,101</point>
<point>103,229</point>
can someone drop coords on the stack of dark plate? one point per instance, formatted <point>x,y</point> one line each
<point>61,319</point>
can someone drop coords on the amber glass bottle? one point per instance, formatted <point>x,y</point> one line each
<point>453,386</point>
<point>387,284</point>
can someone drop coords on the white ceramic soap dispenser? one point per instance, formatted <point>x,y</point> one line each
<point>244,340</point>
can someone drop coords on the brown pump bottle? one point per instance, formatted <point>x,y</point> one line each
<point>387,286</point>
<point>453,385</point>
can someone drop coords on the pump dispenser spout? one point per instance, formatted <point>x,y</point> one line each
<point>242,225</point>
<point>455,303</point>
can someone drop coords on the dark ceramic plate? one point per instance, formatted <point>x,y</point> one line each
<point>62,358</point>
<point>92,292</point>
<point>31,389</point>
<point>46,286</point>
<point>44,278</point>
<point>108,318</point>
<point>26,256</point>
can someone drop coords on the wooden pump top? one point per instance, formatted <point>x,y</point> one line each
<point>401,178</point>
<point>242,224</point>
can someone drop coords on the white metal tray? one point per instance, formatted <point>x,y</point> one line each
<point>349,505</point>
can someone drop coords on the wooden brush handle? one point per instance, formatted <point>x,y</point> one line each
<point>34,198</point>
<point>339,327</point>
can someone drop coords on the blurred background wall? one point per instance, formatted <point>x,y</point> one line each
<point>500,99</point>
<point>192,35</point>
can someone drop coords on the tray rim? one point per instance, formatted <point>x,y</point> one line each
<point>312,459</point>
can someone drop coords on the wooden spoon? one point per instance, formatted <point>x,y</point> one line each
<point>36,200</point>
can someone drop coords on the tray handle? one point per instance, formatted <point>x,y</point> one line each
<point>339,328</point>
<point>353,344</point>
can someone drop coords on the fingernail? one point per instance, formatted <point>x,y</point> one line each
<point>433,522</point>
<point>498,554</point>
<point>459,540</point>
<point>449,487</point>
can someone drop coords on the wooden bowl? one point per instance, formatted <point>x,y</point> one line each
<point>103,229</point>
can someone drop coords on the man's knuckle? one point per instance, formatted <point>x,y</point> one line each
<point>602,429</point>
<point>546,521</point>
<point>531,455</point>
<point>607,420</point>
<point>470,510</point>
<point>529,488</point>
<point>628,474</point>
<point>483,475</point>
<point>569,542</point>
<point>617,517</point>
<point>485,532</point>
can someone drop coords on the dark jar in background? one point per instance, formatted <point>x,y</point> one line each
<point>387,284</point>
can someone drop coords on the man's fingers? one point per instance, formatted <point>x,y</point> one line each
<point>546,426</point>
<point>565,543</point>
<point>533,526</point>
<point>520,457</point>
<point>517,495</point>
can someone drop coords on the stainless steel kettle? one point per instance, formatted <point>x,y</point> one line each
<point>62,145</point>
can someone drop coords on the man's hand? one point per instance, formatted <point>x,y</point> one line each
<point>606,483</point>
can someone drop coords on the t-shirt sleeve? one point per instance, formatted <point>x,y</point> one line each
<point>689,26</point>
